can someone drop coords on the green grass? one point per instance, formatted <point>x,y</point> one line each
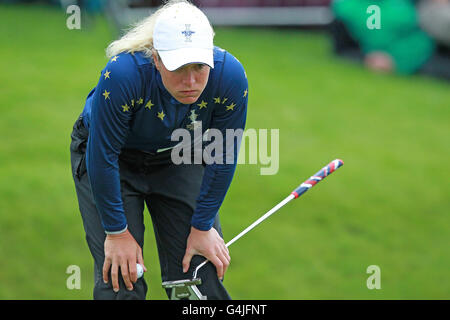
<point>388,206</point>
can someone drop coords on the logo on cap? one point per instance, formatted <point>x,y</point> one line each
<point>188,33</point>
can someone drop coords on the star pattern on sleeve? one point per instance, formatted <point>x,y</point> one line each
<point>231,107</point>
<point>161,115</point>
<point>203,104</point>
<point>106,74</point>
<point>149,105</point>
<point>106,94</point>
<point>125,108</point>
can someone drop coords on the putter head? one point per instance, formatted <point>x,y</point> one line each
<point>184,289</point>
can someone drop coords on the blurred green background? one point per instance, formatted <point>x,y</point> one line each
<point>388,206</point>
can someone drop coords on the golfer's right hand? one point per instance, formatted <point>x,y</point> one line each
<point>210,245</point>
<point>122,250</point>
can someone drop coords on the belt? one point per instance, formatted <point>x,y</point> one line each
<point>145,161</point>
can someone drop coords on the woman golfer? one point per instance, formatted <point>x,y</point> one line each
<point>164,74</point>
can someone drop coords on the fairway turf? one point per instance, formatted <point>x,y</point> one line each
<point>387,206</point>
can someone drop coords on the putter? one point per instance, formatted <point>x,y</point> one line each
<point>187,289</point>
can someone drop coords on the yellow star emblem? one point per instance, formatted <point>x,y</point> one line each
<point>202,105</point>
<point>217,100</point>
<point>161,115</point>
<point>114,59</point>
<point>224,100</point>
<point>132,102</point>
<point>245,93</point>
<point>107,74</point>
<point>149,105</point>
<point>125,108</point>
<point>140,101</point>
<point>231,106</point>
<point>106,94</point>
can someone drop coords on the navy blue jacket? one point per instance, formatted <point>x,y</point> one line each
<point>130,108</point>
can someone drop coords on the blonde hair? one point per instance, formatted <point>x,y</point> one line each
<point>140,36</point>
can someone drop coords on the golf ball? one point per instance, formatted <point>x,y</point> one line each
<point>140,270</point>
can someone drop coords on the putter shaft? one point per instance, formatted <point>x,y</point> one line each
<point>250,227</point>
<point>301,189</point>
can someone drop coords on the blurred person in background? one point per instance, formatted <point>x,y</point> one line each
<point>434,17</point>
<point>398,46</point>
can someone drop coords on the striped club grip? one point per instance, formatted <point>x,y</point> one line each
<point>319,176</point>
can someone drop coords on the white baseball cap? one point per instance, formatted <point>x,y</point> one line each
<point>182,35</point>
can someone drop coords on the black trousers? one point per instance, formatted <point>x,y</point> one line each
<point>169,191</point>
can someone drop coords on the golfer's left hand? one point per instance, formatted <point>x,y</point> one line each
<point>210,245</point>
